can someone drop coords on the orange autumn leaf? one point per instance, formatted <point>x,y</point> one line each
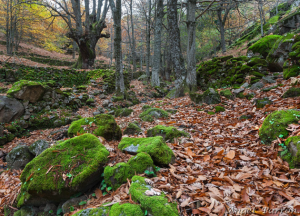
<point>230,155</point>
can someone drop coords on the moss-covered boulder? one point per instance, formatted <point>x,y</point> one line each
<point>18,157</point>
<point>293,144</point>
<point>292,92</point>
<point>126,209</point>
<point>59,172</point>
<point>261,102</point>
<point>154,205</point>
<point>100,211</point>
<point>264,45</point>
<point>168,133</point>
<point>145,107</point>
<point>160,153</point>
<point>132,129</point>
<point>291,71</point>
<point>257,61</point>
<point>101,125</point>
<point>226,93</point>
<point>123,112</point>
<point>151,113</point>
<point>118,174</point>
<point>276,123</point>
<point>27,90</point>
<point>210,96</point>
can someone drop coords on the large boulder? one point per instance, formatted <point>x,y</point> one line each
<point>276,123</point>
<point>155,205</point>
<point>168,133</point>
<point>59,172</point>
<point>10,109</point>
<point>101,125</point>
<point>160,153</point>
<point>263,46</point>
<point>132,129</point>
<point>27,90</point>
<point>18,157</point>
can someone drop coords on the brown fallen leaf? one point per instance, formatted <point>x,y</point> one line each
<point>230,155</point>
<point>98,193</point>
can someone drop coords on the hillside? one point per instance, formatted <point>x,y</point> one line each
<point>69,145</point>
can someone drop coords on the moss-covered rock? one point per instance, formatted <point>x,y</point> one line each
<point>123,112</point>
<point>155,113</point>
<point>276,123</point>
<point>154,205</point>
<point>168,133</point>
<point>126,209</point>
<point>141,162</point>
<point>292,92</point>
<point>293,144</point>
<point>27,90</point>
<point>264,45</point>
<point>18,157</point>
<point>257,61</point>
<point>219,109</point>
<point>38,147</point>
<point>292,71</point>
<point>63,170</point>
<point>160,153</point>
<point>100,211</point>
<point>226,93</point>
<point>145,107</point>
<point>118,174</point>
<point>101,125</point>
<point>210,96</point>
<point>132,129</point>
<point>261,102</point>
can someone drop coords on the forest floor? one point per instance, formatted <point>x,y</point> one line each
<point>222,167</point>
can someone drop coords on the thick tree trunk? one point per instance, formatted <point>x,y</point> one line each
<point>177,58</point>
<point>157,44</point>
<point>148,40</point>
<point>191,78</point>
<point>87,55</point>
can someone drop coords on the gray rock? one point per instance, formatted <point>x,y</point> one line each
<point>31,92</point>
<point>101,110</point>
<point>257,86</point>
<point>47,108</point>
<point>49,207</point>
<point>96,113</point>
<point>23,124</point>
<point>102,96</point>
<point>132,149</point>
<point>72,202</point>
<point>26,117</point>
<point>268,79</point>
<point>10,109</point>
<point>237,91</point>
<point>19,157</point>
<point>245,85</point>
<point>38,147</point>
<point>110,105</point>
<point>105,103</point>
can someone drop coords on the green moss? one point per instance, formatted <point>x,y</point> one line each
<point>293,158</point>
<point>147,118</point>
<point>257,61</point>
<point>168,133</point>
<point>292,71</point>
<point>264,45</point>
<point>105,126</point>
<point>240,95</point>
<point>257,74</point>
<point>132,129</point>
<point>160,153</point>
<point>80,156</point>
<point>17,86</point>
<point>210,113</point>
<point>155,205</point>
<point>140,162</point>
<point>219,109</point>
<point>100,211</point>
<point>226,93</point>
<point>155,112</point>
<point>292,92</point>
<point>276,123</point>
<point>269,88</point>
<point>118,174</point>
<point>123,112</point>
<point>126,209</point>
<point>145,107</point>
<point>260,103</point>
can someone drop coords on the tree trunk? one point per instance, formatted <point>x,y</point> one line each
<point>222,30</point>
<point>87,54</point>
<point>157,44</point>
<point>133,39</point>
<point>261,18</point>
<point>177,58</point>
<point>148,40</point>
<point>191,78</point>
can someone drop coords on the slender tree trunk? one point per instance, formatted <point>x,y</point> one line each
<point>148,40</point>
<point>117,12</point>
<point>222,30</point>
<point>133,39</point>
<point>191,78</point>
<point>157,44</point>
<point>261,18</point>
<point>177,58</point>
